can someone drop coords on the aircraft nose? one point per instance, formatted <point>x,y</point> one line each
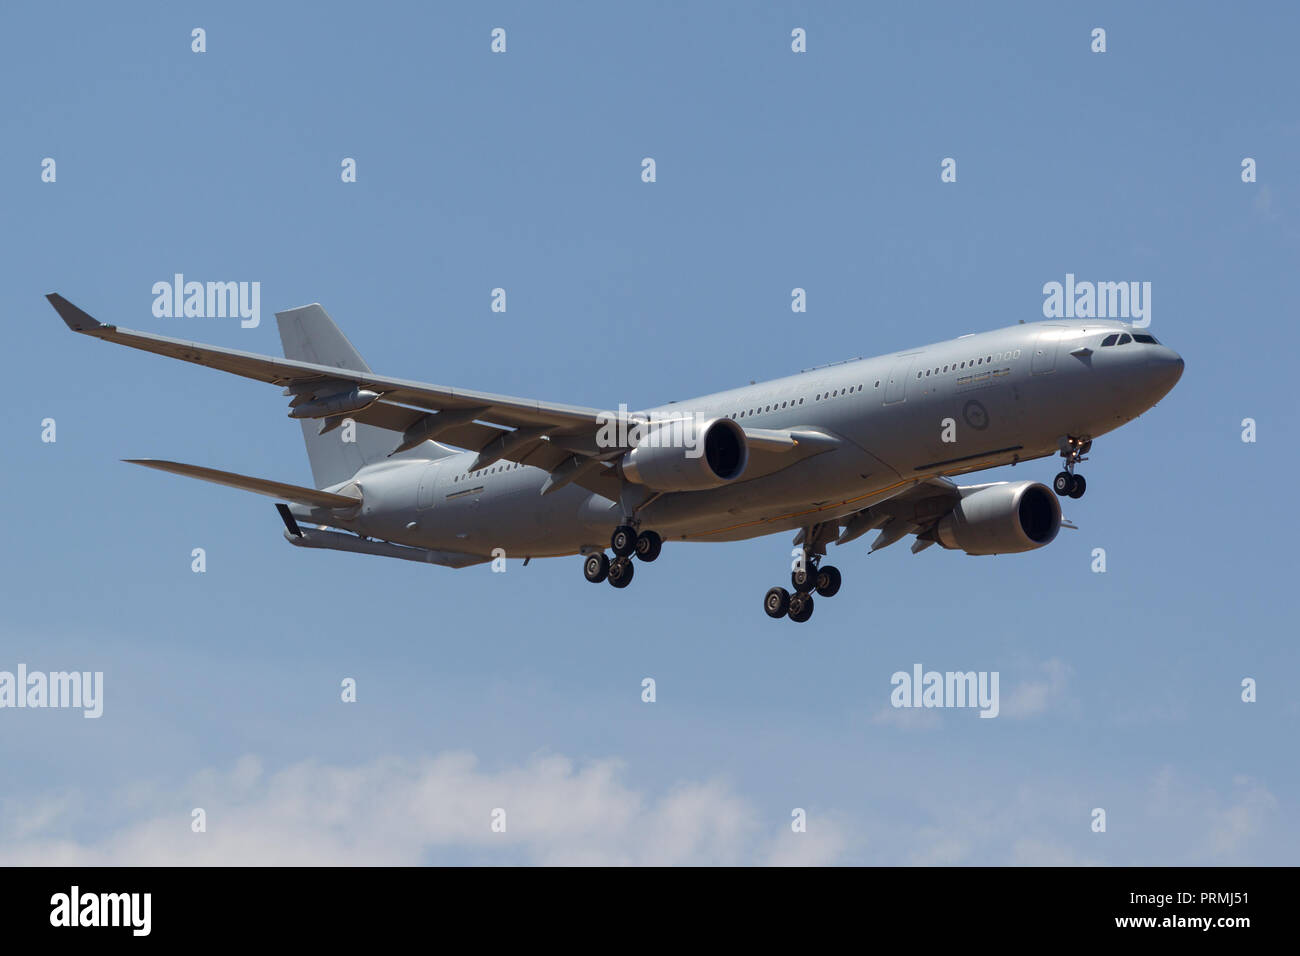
<point>1164,368</point>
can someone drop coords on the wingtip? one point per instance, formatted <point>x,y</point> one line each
<point>75,318</point>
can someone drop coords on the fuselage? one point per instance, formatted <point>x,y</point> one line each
<point>967,404</point>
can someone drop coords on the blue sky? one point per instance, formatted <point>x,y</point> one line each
<point>522,170</point>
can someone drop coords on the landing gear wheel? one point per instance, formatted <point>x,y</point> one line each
<point>776,602</point>
<point>620,572</point>
<point>828,581</point>
<point>596,568</point>
<point>648,545</point>
<point>1063,483</point>
<point>801,607</point>
<point>623,541</point>
<point>804,580</point>
<point>1078,487</point>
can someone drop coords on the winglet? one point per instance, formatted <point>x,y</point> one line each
<point>77,320</point>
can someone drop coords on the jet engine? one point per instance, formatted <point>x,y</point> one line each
<point>1001,518</point>
<point>686,455</point>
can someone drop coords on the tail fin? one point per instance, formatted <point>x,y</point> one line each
<point>308,334</point>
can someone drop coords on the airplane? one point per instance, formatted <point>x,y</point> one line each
<point>455,477</point>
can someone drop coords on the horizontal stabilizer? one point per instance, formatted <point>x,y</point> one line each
<point>261,486</point>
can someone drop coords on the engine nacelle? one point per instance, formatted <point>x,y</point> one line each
<point>1001,518</point>
<point>686,456</point>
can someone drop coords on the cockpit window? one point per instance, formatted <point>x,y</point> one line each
<point>1110,340</point>
<point>1145,339</point>
<point>1124,339</point>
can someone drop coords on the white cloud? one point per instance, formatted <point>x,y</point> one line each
<point>1229,827</point>
<point>427,810</point>
<point>1033,697</point>
<point>437,809</point>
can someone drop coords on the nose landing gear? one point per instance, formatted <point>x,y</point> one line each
<point>1067,483</point>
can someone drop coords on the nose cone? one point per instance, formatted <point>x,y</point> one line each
<point>1164,367</point>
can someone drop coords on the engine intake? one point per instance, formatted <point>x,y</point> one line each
<point>683,455</point>
<point>1001,518</point>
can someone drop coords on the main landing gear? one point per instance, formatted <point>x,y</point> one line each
<point>812,577</point>
<point>625,542</point>
<point>1067,483</point>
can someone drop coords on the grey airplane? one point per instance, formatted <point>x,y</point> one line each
<point>455,477</point>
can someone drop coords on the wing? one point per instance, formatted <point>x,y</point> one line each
<point>497,426</point>
<point>560,439</point>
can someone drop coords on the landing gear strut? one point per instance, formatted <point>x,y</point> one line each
<point>1067,483</point>
<point>625,542</point>
<point>809,578</point>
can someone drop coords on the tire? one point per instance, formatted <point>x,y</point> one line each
<point>623,541</point>
<point>1078,487</point>
<point>804,580</point>
<point>801,607</point>
<point>648,546</point>
<point>828,581</point>
<point>596,568</point>
<point>776,602</point>
<point>1063,483</point>
<point>620,572</point>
